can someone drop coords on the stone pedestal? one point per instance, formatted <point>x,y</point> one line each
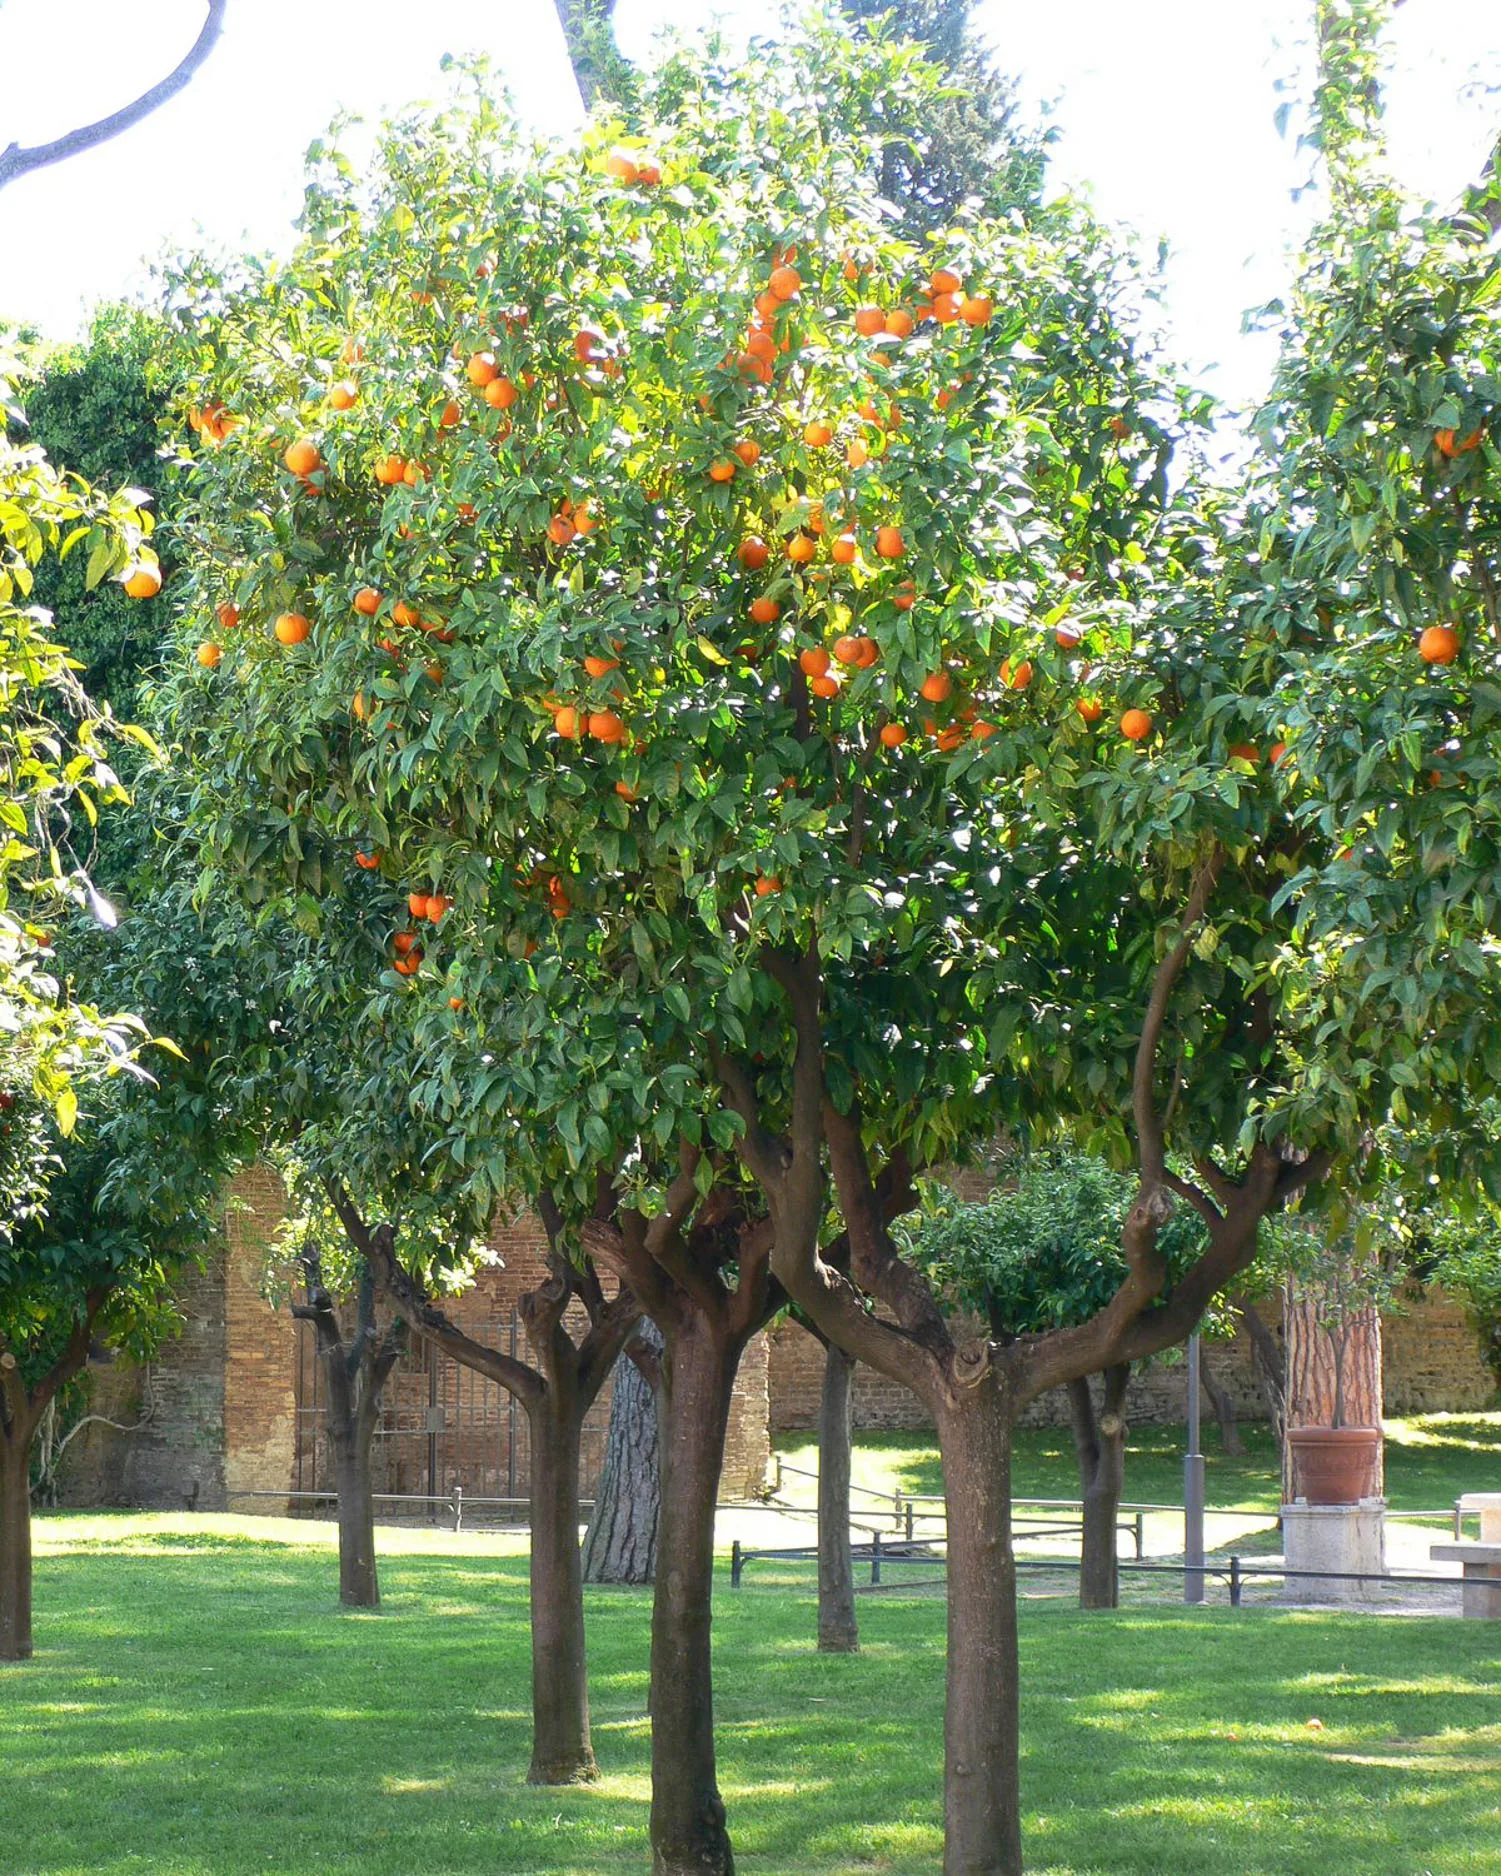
<point>1349,1538</point>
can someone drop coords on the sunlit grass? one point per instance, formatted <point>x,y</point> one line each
<point>200,1706</point>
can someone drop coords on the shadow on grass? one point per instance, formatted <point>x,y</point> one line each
<point>214,1714</point>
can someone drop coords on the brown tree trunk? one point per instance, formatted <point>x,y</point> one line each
<point>1267,1360</point>
<point>1313,1370</point>
<point>359,1585</point>
<point>981,1804</point>
<point>562,1752</point>
<point>838,1632</point>
<point>15,1550</point>
<point>688,1832</point>
<point>1223,1408</point>
<point>620,1545</point>
<point>1100,1443</point>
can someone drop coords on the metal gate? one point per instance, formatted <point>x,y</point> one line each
<point>441,1425</point>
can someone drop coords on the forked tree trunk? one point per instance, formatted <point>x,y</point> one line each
<point>838,1632</point>
<point>1222,1406</point>
<point>981,1803</point>
<point>620,1545</point>
<point>359,1585</point>
<point>1100,1444</point>
<point>562,1752</point>
<point>15,1551</point>
<point>688,1832</point>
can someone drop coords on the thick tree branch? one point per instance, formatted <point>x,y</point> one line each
<point>1150,1146</point>
<point>15,161</point>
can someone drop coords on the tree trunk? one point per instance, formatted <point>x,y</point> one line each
<point>15,1550</point>
<point>562,1753</point>
<point>1223,1408</point>
<point>1311,1372</point>
<point>358,1582</point>
<point>1271,1371</point>
<point>1100,1443</point>
<point>981,1804</point>
<point>688,1832</point>
<point>838,1632</point>
<point>620,1545</point>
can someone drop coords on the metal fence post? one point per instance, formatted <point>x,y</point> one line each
<point>875,1557</point>
<point>1140,1516</point>
<point>909,1520</point>
<point>1235,1582</point>
<point>735,1564</point>
<point>457,1502</point>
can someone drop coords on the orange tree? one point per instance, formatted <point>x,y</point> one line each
<point>737,692</point>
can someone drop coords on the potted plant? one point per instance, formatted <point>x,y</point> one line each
<point>1338,1278</point>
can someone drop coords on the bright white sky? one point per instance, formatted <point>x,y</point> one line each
<point>1165,108</point>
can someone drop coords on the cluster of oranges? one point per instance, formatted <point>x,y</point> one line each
<point>212,422</point>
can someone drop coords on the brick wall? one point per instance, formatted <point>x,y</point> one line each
<point>1432,1366</point>
<point>260,1348</point>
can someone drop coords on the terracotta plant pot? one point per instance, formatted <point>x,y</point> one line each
<point>1333,1465</point>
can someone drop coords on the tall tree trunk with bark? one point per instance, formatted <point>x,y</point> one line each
<point>689,1836</point>
<point>1100,1443</point>
<point>562,1750</point>
<point>838,1631</point>
<point>620,1545</point>
<point>355,1374</point>
<point>1222,1407</point>
<point>1269,1365</point>
<point>21,1410</point>
<point>15,1551</point>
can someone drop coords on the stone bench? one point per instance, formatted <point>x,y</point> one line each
<point>1488,1505</point>
<point>1481,1590</point>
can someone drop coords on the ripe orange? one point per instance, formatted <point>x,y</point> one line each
<point>723,470</point>
<point>900,323</point>
<point>766,885</point>
<point>1245,752</point>
<point>417,904</point>
<point>367,601</point>
<point>749,452</point>
<point>599,667</point>
<point>568,723</point>
<point>944,280</point>
<point>936,689</point>
<point>869,320</point>
<point>825,686</point>
<point>404,614</point>
<point>481,369</point>
<point>1276,753</point>
<point>753,552</point>
<point>976,311</point>
<point>455,1003</point>
<point>1444,442</point>
<point>847,649</point>
<point>946,308</point>
<point>905,596</point>
<point>292,628</point>
<point>344,395</point>
<point>784,282</point>
<point>626,792</point>
<point>982,730</point>
<point>144,583</point>
<point>649,174</point>
<point>353,352</point>
<point>889,543</point>
<point>588,344</point>
<point>818,434</point>
<point>448,417</point>
<point>1018,676</point>
<point>560,530</point>
<point>302,457</point>
<point>606,727</point>
<point>857,454</point>
<point>409,965</point>
<point>765,611</point>
<point>1136,725</point>
<point>390,470</point>
<point>437,905</point>
<point>228,615</point>
<point>209,654</point>
<point>870,653</point>
<point>414,474</point>
<point>1068,637</point>
<point>950,739</point>
<point>1090,709</point>
<point>801,549</point>
<point>622,166</point>
<point>893,735</point>
<point>1439,644</point>
<point>501,394</point>
<point>814,661</point>
<point>369,860</point>
<point>843,550</point>
<point>1119,429</point>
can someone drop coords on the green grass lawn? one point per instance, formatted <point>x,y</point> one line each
<point>200,1706</point>
<point>1430,1461</point>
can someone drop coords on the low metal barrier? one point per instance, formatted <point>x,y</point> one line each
<point>456,1503</point>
